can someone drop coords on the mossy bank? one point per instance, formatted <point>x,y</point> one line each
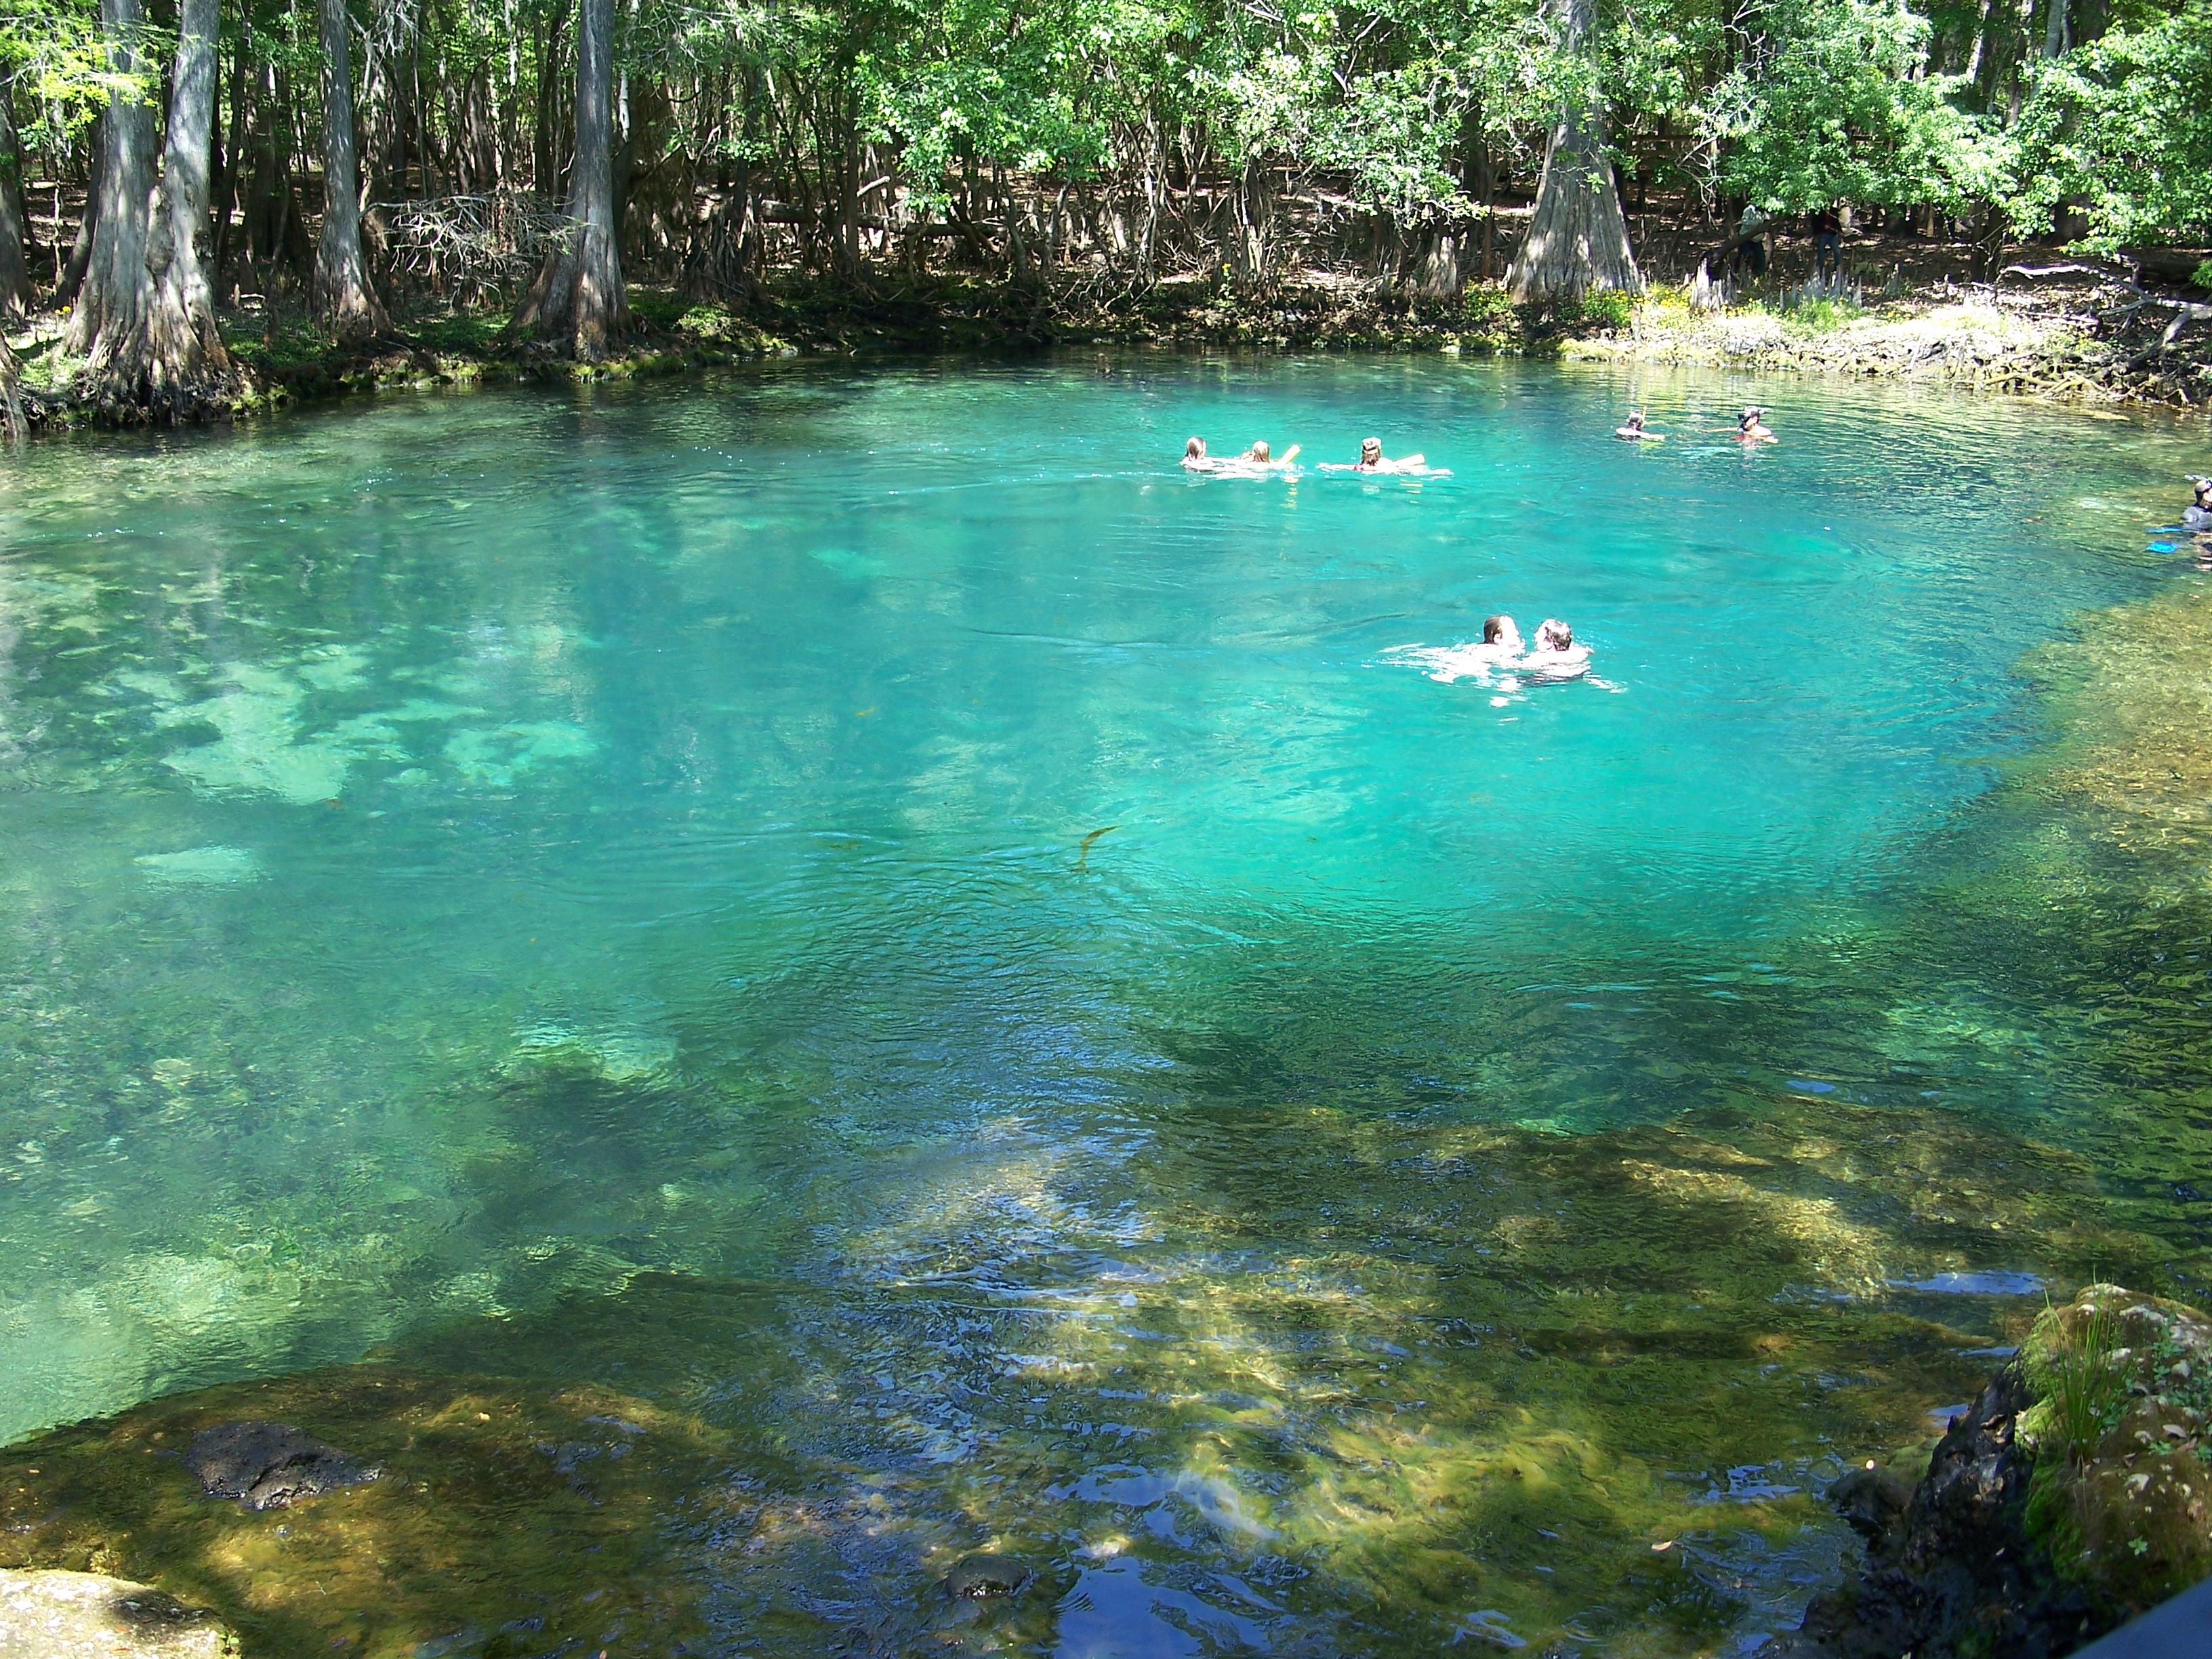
<point>2056,342</point>
<point>2075,1493</point>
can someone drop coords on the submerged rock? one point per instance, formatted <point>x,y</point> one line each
<point>469,1527</point>
<point>267,1466</point>
<point>985,1577</point>
<point>48,1614</point>
<point>2073,1494</point>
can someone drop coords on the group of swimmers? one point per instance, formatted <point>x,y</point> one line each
<point>1502,661</point>
<point>1258,459</point>
<point>1750,428</point>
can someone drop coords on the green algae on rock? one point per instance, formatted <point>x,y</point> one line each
<point>2121,1495</point>
<point>498,1510</point>
<point>2069,1497</point>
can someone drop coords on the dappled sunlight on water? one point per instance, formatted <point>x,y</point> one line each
<point>872,976</point>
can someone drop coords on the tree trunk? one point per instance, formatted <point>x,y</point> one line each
<point>108,327</point>
<point>577,300</point>
<point>2057,36</point>
<point>231,160</point>
<point>189,360</point>
<point>1438,272</point>
<point>15,270</point>
<point>1252,214</point>
<point>71,280</point>
<point>1577,240</point>
<point>344,303</point>
<point>11,394</point>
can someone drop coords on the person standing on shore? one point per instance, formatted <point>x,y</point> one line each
<point>1751,242</point>
<point>1827,244</point>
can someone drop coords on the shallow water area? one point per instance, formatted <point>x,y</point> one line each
<point>978,981</point>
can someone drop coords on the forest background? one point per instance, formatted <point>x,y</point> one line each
<point>164,162</point>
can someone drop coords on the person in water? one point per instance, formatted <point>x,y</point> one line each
<point>1751,426</point>
<point>1194,456</point>
<point>2198,515</point>
<point>1370,459</point>
<point>1258,455</point>
<point>1636,432</point>
<point>1500,637</point>
<point>1555,656</point>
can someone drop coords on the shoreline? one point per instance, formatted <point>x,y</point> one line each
<point>2079,341</point>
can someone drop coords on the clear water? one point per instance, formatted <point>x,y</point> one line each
<point>1310,1157</point>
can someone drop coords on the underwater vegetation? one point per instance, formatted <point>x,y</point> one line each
<point>1444,1377</point>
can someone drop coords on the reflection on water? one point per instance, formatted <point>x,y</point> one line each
<point>600,906</point>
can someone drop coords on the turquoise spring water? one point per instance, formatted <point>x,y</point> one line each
<point>888,838</point>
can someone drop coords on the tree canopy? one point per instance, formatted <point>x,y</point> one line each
<point>859,140</point>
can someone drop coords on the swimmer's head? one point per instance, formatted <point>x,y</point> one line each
<point>1371,449</point>
<point>2204,491</point>
<point>1499,631</point>
<point>1553,634</point>
<point>1195,450</point>
<point>1259,450</point>
<point>1750,416</point>
<point>1636,418</point>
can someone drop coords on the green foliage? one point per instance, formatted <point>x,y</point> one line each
<point>2117,128</point>
<point>1833,104</point>
<point>60,63</point>
<point>2073,1365</point>
<point>1598,309</point>
<point>2202,276</point>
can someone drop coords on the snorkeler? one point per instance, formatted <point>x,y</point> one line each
<point>1635,429</point>
<point>2197,516</point>
<point>1751,427</point>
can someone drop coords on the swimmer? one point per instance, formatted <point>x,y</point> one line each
<point>2197,516</point>
<point>1258,456</point>
<point>1370,459</point>
<point>1555,656</point>
<point>1195,458</point>
<point>1635,432</point>
<point>1500,637</point>
<point>1750,428</point>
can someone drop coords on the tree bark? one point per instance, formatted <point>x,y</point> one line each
<point>71,280</point>
<point>577,300</point>
<point>188,352</point>
<point>1577,239</point>
<point>11,394</point>
<point>14,268</point>
<point>344,303</point>
<point>108,326</point>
